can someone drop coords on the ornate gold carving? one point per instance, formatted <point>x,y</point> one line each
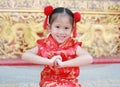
<point>21,23</point>
<point>19,32</point>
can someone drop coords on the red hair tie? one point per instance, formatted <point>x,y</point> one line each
<point>77,18</point>
<point>47,11</point>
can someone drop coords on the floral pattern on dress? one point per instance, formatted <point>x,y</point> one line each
<point>52,76</point>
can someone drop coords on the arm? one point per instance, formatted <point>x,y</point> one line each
<point>83,58</point>
<point>31,56</point>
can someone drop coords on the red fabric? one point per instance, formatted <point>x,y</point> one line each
<point>52,75</point>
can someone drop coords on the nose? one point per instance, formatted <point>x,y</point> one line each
<point>61,30</point>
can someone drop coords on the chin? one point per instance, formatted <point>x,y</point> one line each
<point>60,41</point>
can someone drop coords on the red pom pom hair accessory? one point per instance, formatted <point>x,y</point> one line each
<point>47,11</point>
<point>77,18</point>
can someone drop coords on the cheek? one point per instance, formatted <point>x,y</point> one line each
<point>69,32</point>
<point>53,31</point>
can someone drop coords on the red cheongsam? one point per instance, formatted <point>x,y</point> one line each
<point>52,76</point>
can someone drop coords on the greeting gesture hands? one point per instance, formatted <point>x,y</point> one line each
<point>56,61</point>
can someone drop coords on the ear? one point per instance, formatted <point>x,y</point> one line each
<point>48,27</point>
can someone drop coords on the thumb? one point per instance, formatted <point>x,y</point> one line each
<point>58,61</point>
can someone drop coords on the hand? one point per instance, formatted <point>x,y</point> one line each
<point>53,61</point>
<point>58,63</point>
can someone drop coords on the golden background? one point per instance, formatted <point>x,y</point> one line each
<point>21,24</point>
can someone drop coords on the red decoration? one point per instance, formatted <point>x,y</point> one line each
<point>47,11</point>
<point>77,18</point>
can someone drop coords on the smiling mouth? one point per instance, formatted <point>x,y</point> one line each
<point>60,37</point>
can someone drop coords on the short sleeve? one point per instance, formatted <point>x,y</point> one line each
<point>40,41</point>
<point>79,44</point>
<point>40,44</point>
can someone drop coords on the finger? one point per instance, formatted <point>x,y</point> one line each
<point>59,57</point>
<point>56,64</point>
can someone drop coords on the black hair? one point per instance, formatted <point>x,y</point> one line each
<point>60,10</point>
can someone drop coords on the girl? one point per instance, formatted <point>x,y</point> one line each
<point>60,54</point>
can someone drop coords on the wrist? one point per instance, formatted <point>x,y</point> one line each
<point>50,63</point>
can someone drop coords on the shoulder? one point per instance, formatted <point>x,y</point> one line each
<point>77,43</point>
<point>43,40</point>
<point>40,41</point>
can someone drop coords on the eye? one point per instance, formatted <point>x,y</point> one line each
<point>57,26</point>
<point>66,28</point>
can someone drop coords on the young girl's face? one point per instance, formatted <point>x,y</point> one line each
<point>61,28</point>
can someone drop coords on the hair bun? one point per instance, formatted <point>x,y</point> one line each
<point>77,16</point>
<point>48,10</point>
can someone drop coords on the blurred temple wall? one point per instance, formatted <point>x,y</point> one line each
<point>21,24</point>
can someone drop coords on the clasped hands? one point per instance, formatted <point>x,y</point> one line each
<point>56,61</point>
